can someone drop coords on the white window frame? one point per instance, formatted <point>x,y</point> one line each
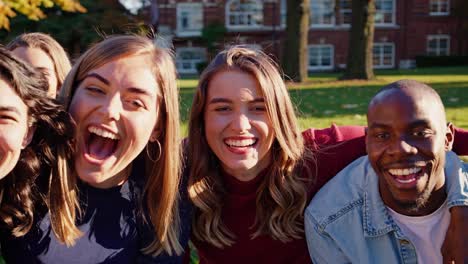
<point>321,67</point>
<point>437,49</point>
<point>393,12</point>
<point>342,11</point>
<point>439,4</point>
<point>193,62</point>
<point>321,4</point>
<point>382,54</point>
<point>244,14</point>
<point>195,19</point>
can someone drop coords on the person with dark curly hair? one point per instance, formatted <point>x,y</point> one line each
<point>35,138</point>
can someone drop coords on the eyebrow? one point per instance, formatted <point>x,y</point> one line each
<point>225,100</point>
<point>97,76</point>
<point>9,109</point>
<point>141,91</point>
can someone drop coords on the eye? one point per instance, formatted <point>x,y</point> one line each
<point>94,90</point>
<point>421,133</point>
<point>7,118</point>
<point>258,108</point>
<point>382,135</point>
<point>136,103</point>
<point>222,108</point>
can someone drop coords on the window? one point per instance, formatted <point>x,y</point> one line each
<point>320,57</point>
<point>283,12</point>
<point>189,19</point>
<point>244,14</point>
<point>187,59</point>
<point>345,12</point>
<point>438,45</point>
<point>322,13</point>
<point>383,55</point>
<point>439,7</point>
<point>384,12</point>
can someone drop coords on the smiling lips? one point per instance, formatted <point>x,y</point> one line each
<point>406,176</point>
<point>100,144</point>
<point>240,145</point>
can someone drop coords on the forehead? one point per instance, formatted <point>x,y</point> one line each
<point>235,85</point>
<point>129,71</point>
<point>9,98</point>
<point>34,56</point>
<point>395,108</point>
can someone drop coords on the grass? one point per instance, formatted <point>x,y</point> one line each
<point>323,99</point>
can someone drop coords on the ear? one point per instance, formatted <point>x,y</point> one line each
<point>28,137</point>
<point>449,136</point>
<point>155,134</point>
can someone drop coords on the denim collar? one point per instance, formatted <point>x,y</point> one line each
<point>376,219</point>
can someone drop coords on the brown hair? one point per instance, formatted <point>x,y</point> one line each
<point>50,46</point>
<point>162,186</point>
<point>49,149</point>
<point>282,196</point>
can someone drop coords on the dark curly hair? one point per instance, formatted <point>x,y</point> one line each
<point>49,148</point>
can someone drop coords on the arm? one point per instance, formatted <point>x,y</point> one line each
<point>454,246</point>
<point>322,248</point>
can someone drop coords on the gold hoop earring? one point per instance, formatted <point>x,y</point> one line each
<point>150,152</point>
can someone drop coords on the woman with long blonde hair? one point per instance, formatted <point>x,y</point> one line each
<point>45,54</point>
<point>121,202</point>
<point>252,171</point>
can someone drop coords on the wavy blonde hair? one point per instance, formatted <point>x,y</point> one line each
<point>163,175</point>
<point>50,46</point>
<point>282,196</point>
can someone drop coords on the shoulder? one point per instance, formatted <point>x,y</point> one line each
<point>341,195</point>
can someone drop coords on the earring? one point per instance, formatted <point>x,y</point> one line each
<point>151,152</point>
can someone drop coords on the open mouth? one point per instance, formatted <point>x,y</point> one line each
<point>241,143</point>
<point>101,143</point>
<point>406,175</point>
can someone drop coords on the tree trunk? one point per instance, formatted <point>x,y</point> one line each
<point>295,58</point>
<point>359,63</point>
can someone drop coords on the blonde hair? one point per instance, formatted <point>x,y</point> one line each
<point>163,176</point>
<point>282,196</point>
<point>50,46</point>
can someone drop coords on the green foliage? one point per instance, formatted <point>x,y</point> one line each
<point>76,31</point>
<point>211,35</point>
<point>33,9</point>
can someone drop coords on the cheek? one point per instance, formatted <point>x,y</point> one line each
<point>11,140</point>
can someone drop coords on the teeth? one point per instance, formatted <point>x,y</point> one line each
<point>240,143</point>
<point>403,172</point>
<point>103,133</point>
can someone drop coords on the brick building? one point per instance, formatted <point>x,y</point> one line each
<point>403,29</point>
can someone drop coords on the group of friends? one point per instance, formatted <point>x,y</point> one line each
<point>93,168</point>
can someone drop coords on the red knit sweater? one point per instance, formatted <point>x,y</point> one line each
<point>239,208</point>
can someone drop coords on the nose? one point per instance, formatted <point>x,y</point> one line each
<point>401,146</point>
<point>112,108</point>
<point>241,122</point>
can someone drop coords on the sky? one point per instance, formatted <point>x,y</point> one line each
<point>134,5</point>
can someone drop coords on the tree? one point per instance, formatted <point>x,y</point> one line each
<point>359,61</point>
<point>76,31</point>
<point>32,9</point>
<point>295,47</point>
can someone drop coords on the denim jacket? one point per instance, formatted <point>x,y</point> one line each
<point>347,221</point>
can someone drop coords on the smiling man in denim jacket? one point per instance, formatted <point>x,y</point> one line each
<point>391,206</point>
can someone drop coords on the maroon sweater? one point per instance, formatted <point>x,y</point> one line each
<point>335,147</point>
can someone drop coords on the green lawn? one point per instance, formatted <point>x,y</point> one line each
<point>323,99</point>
